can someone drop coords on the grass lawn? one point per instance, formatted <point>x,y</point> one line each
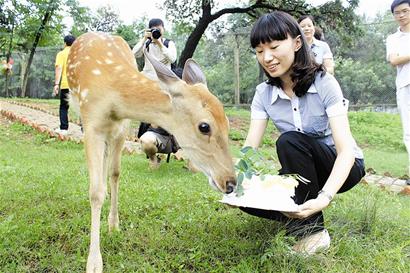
<point>171,220</point>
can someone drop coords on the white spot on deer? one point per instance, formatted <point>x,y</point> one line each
<point>84,94</point>
<point>109,44</point>
<point>87,57</point>
<point>98,62</point>
<point>74,91</point>
<point>109,54</point>
<point>108,61</point>
<point>118,67</point>
<point>96,72</point>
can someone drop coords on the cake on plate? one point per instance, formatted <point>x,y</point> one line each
<point>272,192</point>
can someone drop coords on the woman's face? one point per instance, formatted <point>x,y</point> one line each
<point>308,28</point>
<point>277,57</point>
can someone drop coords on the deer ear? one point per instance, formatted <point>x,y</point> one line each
<point>192,73</point>
<point>163,72</point>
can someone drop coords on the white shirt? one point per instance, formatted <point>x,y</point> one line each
<point>166,55</point>
<point>399,43</point>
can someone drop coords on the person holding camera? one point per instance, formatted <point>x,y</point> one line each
<point>155,139</point>
<point>162,49</point>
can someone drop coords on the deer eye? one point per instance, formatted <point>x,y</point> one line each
<point>204,128</point>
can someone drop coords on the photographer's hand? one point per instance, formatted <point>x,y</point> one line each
<point>158,42</point>
<point>147,34</point>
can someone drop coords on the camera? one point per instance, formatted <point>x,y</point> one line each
<point>155,32</point>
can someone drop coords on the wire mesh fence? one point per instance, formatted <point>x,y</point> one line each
<point>41,74</point>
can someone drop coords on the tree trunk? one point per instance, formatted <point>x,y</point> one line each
<point>193,40</point>
<point>208,18</point>
<point>52,5</point>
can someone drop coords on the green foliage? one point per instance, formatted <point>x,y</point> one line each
<point>358,81</point>
<point>378,130</point>
<point>250,163</point>
<point>106,19</point>
<point>364,74</point>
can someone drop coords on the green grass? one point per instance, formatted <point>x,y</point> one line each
<point>171,221</point>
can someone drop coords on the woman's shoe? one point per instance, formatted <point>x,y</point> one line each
<point>313,243</point>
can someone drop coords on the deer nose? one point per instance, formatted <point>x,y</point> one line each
<point>230,186</point>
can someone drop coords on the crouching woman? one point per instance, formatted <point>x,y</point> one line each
<point>307,106</point>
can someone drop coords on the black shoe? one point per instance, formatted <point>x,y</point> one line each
<point>408,182</point>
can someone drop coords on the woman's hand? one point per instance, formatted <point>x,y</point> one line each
<point>310,207</point>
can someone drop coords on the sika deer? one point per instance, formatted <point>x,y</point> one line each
<point>105,82</point>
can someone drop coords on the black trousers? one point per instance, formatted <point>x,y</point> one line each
<point>314,160</point>
<point>64,109</point>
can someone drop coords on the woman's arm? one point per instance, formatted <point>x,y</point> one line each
<point>255,133</point>
<point>345,156</point>
<point>344,161</point>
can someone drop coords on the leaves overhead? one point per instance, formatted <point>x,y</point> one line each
<point>199,14</point>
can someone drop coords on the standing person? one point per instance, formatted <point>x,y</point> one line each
<point>162,49</point>
<point>155,139</point>
<point>61,83</point>
<point>398,54</point>
<point>307,106</point>
<point>321,50</point>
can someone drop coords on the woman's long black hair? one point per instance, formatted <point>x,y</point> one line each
<point>276,26</point>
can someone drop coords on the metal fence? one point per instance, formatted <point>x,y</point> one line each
<point>41,79</point>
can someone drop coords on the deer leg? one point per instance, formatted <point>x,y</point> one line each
<point>95,148</point>
<point>113,218</point>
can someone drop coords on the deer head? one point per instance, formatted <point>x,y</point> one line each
<point>199,122</point>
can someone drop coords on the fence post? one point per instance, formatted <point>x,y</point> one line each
<point>237,75</point>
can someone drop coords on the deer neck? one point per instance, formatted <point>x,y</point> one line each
<point>144,100</point>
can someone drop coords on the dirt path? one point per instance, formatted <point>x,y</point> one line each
<point>46,122</point>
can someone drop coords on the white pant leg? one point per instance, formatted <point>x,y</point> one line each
<point>403,104</point>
